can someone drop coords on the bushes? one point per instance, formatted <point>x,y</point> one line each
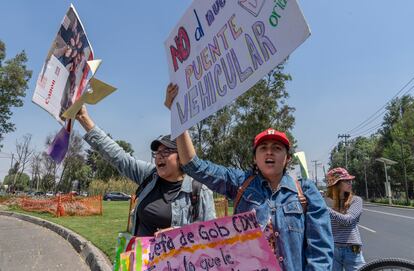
<point>380,200</point>
<point>401,202</point>
<point>99,187</point>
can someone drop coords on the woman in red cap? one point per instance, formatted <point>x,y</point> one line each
<point>301,236</point>
<point>345,212</point>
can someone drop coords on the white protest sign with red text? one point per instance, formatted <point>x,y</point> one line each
<point>221,48</point>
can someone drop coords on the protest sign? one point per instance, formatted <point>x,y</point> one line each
<point>232,243</point>
<point>64,74</point>
<point>97,91</point>
<point>302,163</point>
<point>132,253</point>
<point>122,242</point>
<point>220,49</point>
<point>61,83</point>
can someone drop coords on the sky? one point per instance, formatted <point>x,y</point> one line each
<point>359,55</point>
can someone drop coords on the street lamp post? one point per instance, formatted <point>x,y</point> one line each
<point>366,183</point>
<point>365,160</point>
<point>407,200</point>
<point>387,162</point>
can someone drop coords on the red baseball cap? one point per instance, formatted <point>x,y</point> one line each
<point>271,134</point>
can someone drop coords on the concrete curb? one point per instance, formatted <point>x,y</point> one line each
<point>94,258</point>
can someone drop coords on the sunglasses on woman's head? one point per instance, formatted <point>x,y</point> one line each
<point>347,181</point>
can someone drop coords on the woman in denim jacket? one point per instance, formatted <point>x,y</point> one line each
<point>166,200</point>
<point>303,237</point>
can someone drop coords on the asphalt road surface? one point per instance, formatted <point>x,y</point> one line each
<point>387,232</point>
<point>26,246</point>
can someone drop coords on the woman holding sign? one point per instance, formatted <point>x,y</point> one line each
<point>295,214</point>
<point>167,197</point>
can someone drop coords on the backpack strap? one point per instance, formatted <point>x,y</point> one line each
<point>145,182</point>
<point>241,191</point>
<point>195,198</point>
<point>302,199</point>
<point>134,200</point>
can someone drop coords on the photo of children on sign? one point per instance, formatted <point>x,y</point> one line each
<point>64,75</point>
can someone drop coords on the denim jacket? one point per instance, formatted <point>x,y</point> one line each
<point>138,170</point>
<point>304,239</point>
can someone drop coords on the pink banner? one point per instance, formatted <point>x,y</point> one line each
<point>226,244</point>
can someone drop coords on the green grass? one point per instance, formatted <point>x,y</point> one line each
<point>230,210</point>
<point>102,231</point>
<point>396,203</point>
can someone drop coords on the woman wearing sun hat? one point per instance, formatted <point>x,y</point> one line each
<point>345,211</point>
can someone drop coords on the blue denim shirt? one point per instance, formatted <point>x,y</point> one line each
<point>138,170</point>
<point>304,240</point>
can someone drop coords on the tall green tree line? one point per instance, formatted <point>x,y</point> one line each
<point>393,140</point>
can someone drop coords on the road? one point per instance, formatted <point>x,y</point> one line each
<point>26,246</point>
<point>387,232</point>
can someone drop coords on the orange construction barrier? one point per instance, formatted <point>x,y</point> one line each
<point>63,205</point>
<point>3,199</point>
<point>131,208</point>
<point>39,205</point>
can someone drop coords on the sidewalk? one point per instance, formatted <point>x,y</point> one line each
<point>85,252</point>
<point>26,246</point>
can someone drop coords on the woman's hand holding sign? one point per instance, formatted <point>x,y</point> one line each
<point>171,93</point>
<point>83,117</point>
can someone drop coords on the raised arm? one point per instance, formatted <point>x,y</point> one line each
<point>185,146</point>
<point>127,165</point>
<point>218,178</point>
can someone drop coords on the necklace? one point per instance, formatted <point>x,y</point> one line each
<point>274,190</point>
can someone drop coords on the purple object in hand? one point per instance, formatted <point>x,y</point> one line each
<point>59,147</point>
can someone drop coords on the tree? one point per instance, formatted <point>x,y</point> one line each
<point>337,157</point>
<point>20,183</point>
<point>14,77</point>
<point>394,140</point>
<point>100,168</point>
<point>48,168</point>
<point>399,142</point>
<point>74,167</point>
<point>227,136</point>
<point>362,152</point>
<point>36,162</point>
<point>47,182</point>
<point>23,155</point>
